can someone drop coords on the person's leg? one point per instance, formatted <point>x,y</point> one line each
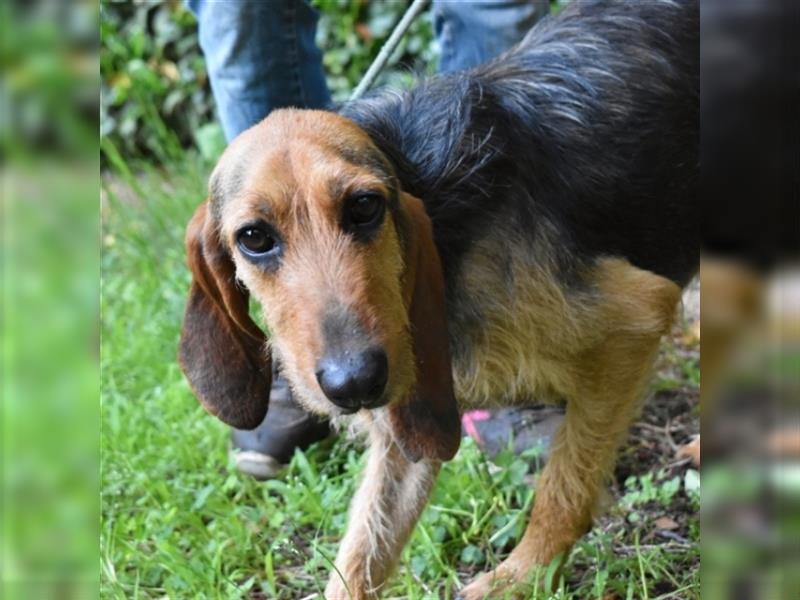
<point>261,56</point>
<point>473,32</point>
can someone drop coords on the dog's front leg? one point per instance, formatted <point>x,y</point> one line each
<point>386,507</point>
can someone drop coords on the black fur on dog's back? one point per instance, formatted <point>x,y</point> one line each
<point>589,124</point>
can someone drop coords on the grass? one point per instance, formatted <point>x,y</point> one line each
<point>179,521</point>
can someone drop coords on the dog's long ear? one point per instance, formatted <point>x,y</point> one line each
<point>222,351</point>
<point>426,425</point>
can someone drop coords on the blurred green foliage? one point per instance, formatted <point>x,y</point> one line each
<point>156,99</point>
<point>351,34</point>
<point>155,91</point>
<point>49,255</point>
<point>48,87</point>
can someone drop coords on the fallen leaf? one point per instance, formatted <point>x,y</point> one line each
<point>691,450</point>
<point>666,523</point>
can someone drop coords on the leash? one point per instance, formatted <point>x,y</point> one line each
<point>386,50</point>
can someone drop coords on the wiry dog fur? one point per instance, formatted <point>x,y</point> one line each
<point>555,226</point>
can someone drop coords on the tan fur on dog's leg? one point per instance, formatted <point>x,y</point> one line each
<point>567,493</point>
<point>638,308</point>
<point>390,499</point>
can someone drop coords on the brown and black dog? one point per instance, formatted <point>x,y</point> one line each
<point>521,230</point>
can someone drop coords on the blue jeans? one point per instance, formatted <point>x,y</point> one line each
<point>262,55</point>
<point>471,32</point>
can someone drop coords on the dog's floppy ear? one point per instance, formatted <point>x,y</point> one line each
<point>222,351</point>
<point>426,425</point>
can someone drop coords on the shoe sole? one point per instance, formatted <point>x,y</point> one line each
<point>257,465</point>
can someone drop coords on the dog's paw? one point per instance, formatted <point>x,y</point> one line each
<point>336,589</point>
<point>494,584</point>
<point>354,590</point>
<point>474,591</point>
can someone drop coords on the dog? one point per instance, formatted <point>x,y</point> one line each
<point>521,230</point>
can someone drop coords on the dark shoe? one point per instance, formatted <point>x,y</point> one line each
<point>527,427</point>
<point>264,451</point>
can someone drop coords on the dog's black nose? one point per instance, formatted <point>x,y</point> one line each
<point>354,380</point>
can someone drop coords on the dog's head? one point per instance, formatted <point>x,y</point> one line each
<point>305,214</point>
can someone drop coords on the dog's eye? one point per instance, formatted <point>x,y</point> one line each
<point>364,210</point>
<point>257,241</point>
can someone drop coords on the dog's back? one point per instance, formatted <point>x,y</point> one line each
<point>586,132</point>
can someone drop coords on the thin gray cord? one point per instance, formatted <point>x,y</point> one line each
<point>386,51</point>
